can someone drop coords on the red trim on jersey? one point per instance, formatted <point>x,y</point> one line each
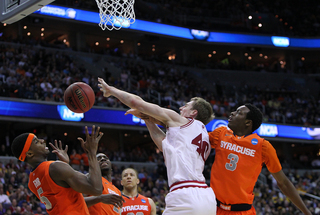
<point>189,123</point>
<point>186,184</point>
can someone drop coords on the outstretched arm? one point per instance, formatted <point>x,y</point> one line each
<point>64,175</point>
<point>167,116</point>
<point>156,133</point>
<point>290,191</point>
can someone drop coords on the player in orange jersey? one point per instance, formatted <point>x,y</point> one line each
<point>135,204</point>
<point>239,157</point>
<point>110,202</point>
<point>56,183</point>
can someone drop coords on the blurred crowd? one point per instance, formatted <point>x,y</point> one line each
<point>30,72</point>
<point>282,17</point>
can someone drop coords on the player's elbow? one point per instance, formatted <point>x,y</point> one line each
<point>136,102</point>
<point>96,191</point>
<point>284,185</point>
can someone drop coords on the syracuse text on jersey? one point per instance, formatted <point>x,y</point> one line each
<point>134,208</point>
<point>239,149</point>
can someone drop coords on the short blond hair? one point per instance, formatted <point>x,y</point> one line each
<point>204,108</point>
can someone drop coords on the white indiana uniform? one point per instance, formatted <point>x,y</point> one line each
<point>185,150</point>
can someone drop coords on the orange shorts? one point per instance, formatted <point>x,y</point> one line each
<point>220,211</point>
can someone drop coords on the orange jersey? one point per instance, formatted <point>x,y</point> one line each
<point>238,163</point>
<point>137,205</point>
<point>75,159</point>
<point>85,159</point>
<point>57,199</point>
<point>102,208</point>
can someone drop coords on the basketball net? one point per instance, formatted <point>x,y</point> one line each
<point>115,14</point>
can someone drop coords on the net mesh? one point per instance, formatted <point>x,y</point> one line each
<point>115,14</point>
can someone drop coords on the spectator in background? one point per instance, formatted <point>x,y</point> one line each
<point>85,161</point>
<point>12,82</point>
<point>75,159</point>
<point>3,150</point>
<point>142,175</point>
<point>161,183</point>
<point>4,199</point>
<point>2,177</point>
<point>2,210</point>
<point>14,207</point>
<point>39,211</point>
<point>315,162</point>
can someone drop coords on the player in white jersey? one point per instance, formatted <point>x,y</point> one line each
<point>185,147</point>
<point>190,145</point>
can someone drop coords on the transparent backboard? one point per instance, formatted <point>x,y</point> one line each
<point>14,10</point>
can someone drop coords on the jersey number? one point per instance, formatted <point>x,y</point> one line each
<point>203,146</point>
<point>138,213</point>
<point>44,199</point>
<point>233,162</point>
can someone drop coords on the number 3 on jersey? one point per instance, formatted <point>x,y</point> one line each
<point>233,162</point>
<point>203,146</point>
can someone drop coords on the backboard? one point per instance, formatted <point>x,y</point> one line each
<point>13,10</point>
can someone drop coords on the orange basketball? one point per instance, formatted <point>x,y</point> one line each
<point>79,97</point>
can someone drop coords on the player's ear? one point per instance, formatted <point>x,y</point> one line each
<point>30,154</point>
<point>248,122</point>
<point>194,113</point>
<point>138,181</point>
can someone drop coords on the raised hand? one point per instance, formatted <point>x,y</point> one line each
<point>92,141</point>
<point>59,151</point>
<point>104,87</point>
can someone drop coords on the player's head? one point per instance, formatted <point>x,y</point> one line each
<point>27,146</point>
<point>199,109</point>
<point>104,162</point>
<point>255,115</point>
<point>129,178</point>
<point>246,118</point>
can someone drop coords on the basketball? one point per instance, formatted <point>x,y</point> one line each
<point>79,97</point>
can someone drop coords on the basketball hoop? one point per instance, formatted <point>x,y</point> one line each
<point>115,14</point>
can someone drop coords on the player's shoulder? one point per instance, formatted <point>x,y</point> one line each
<point>261,139</point>
<point>142,197</point>
<point>222,129</point>
<point>58,167</point>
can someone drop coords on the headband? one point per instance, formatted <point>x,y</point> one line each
<point>26,147</point>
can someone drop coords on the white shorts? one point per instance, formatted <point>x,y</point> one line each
<point>191,201</point>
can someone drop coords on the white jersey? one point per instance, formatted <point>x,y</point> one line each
<point>185,150</point>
